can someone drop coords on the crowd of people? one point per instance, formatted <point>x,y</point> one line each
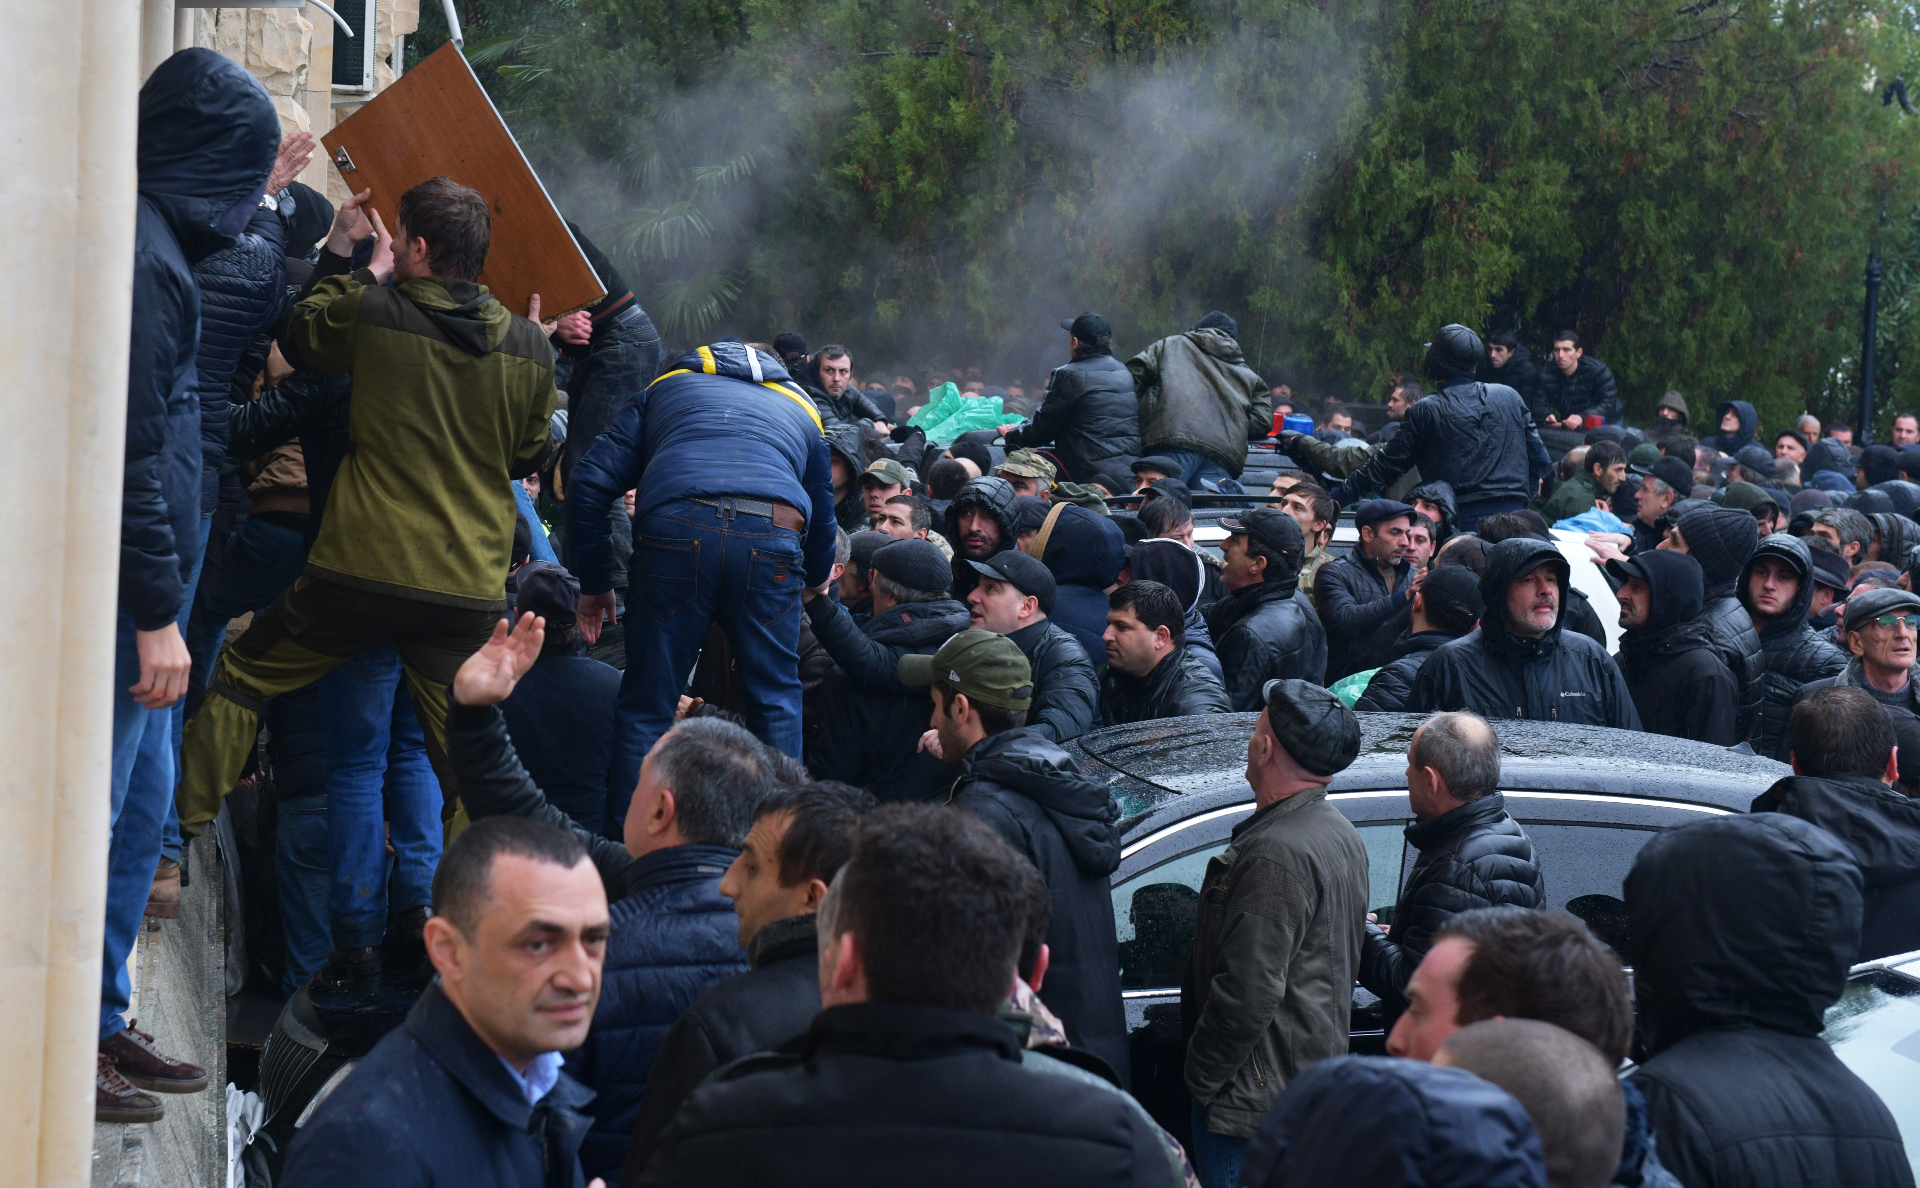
<point>695,730</point>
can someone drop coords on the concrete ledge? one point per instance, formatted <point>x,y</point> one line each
<point>180,997</point>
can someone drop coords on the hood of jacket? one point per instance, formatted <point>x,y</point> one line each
<point>1721,539</point>
<point>1507,562</point>
<point>1082,809</point>
<point>1905,495</point>
<point>1218,343</point>
<point>1829,455</point>
<point>465,312</point>
<point>1677,592</point>
<point>1419,643</point>
<point>1879,825</point>
<point>1794,552</point>
<point>996,497</point>
<point>1677,403</point>
<point>1085,549</point>
<point>918,624</point>
<point>1749,425</point>
<point>1741,922</point>
<point>1898,536</point>
<point>208,135</point>
<point>1170,563</point>
<point>1441,492</point>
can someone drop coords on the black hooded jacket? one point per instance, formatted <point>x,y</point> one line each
<point>207,140</point>
<point>1390,687</point>
<point>1178,687</point>
<point>1267,632</point>
<point>1742,930</point>
<point>1089,415</point>
<point>1896,536</point>
<point>1521,373</point>
<point>1590,389</point>
<point>1560,677</point>
<point>1472,857</point>
<point>1882,828</point>
<point>996,497</point>
<point>1730,443</point>
<point>242,290</point>
<point>1029,790</point>
<point>1680,687</point>
<point>1477,437</point>
<point>871,725</point>
<point>1440,492</point>
<point>1794,652</point>
<point>1722,540</point>
<point>1085,553</point>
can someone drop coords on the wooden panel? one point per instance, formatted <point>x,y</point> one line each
<point>436,119</point>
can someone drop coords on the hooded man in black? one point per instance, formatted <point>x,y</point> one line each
<point>1519,663</point>
<point>1777,589</point>
<point>1742,930</point>
<point>1746,424</point>
<point>981,521</point>
<point>1085,551</point>
<point>1843,769</point>
<point>1030,791</point>
<point>1679,686</point>
<point>1089,413</point>
<point>1722,539</point>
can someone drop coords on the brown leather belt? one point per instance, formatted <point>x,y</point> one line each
<point>782,515</point>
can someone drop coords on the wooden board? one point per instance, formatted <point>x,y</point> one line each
<point>436,119</point>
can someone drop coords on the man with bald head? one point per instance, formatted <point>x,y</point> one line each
<point>1472,854</point>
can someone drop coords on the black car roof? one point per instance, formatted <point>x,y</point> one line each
<point>1165,770</point>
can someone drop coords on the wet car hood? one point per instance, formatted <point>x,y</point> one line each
<point>1164,770</point>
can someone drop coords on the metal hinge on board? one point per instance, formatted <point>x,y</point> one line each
<point>344,159</point>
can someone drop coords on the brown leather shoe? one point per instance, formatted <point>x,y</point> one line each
<point>163,902</point>
<point>140,1062</point>
<point>116,1101</point>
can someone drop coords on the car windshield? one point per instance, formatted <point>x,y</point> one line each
<point>1875,1030</point>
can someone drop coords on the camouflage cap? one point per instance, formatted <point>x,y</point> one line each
<point>987,667</point>
<point>1027,464</point>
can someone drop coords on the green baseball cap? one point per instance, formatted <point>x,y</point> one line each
<point>888,473</point>
<point>988,668</point>
<point>1027,464</point>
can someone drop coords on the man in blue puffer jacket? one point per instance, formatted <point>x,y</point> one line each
<point>733,519</point>
<point>673,933</point>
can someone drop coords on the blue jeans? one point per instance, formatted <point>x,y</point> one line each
<point>300,870</point>
<point>170,844</point>
<point>542,547</point>
<point>694,566</point>
<point>141,793</point>
<point>1196,466</point>
<point>1216,1157</point>
<point>375,745</point>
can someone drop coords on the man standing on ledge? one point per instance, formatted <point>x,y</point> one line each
<point>733,519</point>
<point>451,399</point>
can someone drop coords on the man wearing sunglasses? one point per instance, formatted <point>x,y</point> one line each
<point>1881,630</point>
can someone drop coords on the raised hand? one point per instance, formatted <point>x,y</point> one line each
<point>350,224</point>
<point>296,149</point>
<point>490,674</point>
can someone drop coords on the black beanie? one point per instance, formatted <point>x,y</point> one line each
<point>1721,539</point>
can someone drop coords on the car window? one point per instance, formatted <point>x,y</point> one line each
<point>1585,866</point>
<point>1875,1030</point>
<point>1155,911</point>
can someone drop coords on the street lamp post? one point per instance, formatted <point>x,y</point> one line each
<point>1865,428</point>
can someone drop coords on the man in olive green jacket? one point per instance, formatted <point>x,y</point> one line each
<point>1282,920</point>
<point>1199,401</point>
<point>451,400</point>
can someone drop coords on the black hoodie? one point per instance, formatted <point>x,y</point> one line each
<point>1029,790</point>
<point>1794,652</point>
<point>1882,828</point>
<point>1742,931</point>
<point>1560,677</point>
<point>1730,443</point>
<point>1680,687</point>
<point>993,495</point>
<point>1722,540</point>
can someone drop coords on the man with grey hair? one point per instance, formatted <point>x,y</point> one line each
<point>1472,854</point>
<point>1563,1082</point>
<point>673,933</point>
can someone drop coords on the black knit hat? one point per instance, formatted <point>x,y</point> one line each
<point>1219,321</point>
<point>1721,539</point>
<point>1755,460</point>
<point>916,564</point>
<point>1313,725</point>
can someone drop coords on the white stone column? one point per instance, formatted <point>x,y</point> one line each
<point>68,204</point>
<point>156,34</point>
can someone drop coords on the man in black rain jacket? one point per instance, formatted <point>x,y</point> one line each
<point>1776,588</point>
<point>1031,793</point>
<point>1843,771</point>
<point>1357,594</point>
<point>1519,663</point>
<point>1742,930</point>
<point>1264,630</point>
<point>1722,539</point>
<point>1150,674</point>
<point>1089,413</point>
<point>1679,686</point>
<point>1472,854</point>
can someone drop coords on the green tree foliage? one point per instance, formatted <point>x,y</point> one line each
<point>1693,187</point>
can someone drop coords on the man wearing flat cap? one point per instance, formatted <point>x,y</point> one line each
<point>1089,414</point>
<point>1282,920</point>
<point>869,724</point>
<point>1264,629</point>
<point>1016,779</point>
<point>1880,632</point>
<point>1013,596</point>
<point>1358,593</point>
